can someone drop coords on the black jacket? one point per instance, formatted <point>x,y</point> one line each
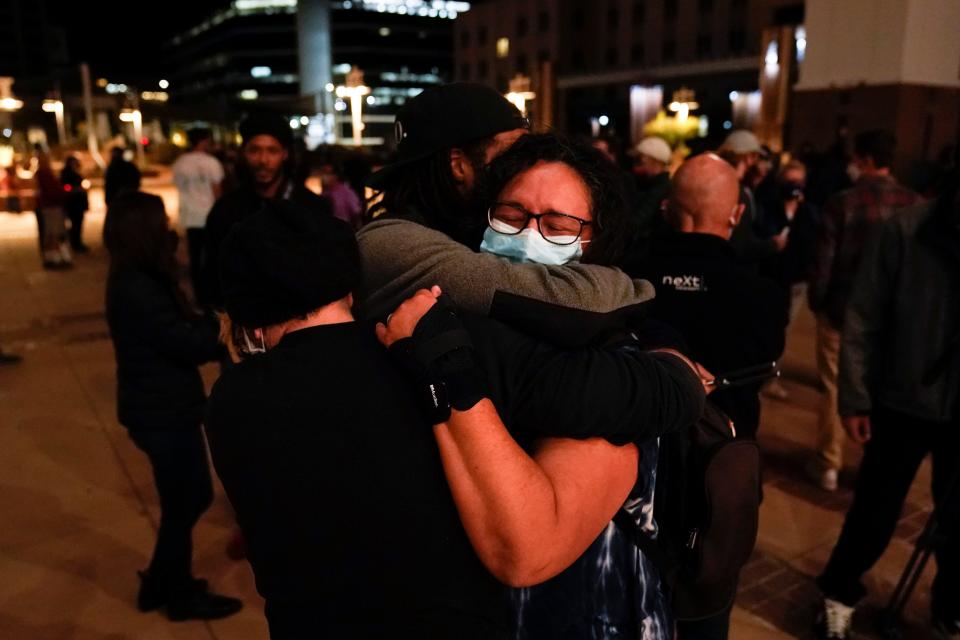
<point>730,317</point>
<point>901,337</point>
<point>230,209</point>
<point>158,349</point>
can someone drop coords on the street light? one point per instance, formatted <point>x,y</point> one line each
<point>133,116</point>
<point>7,101</point>
<point>519,92</point>
<point>355,90</point>
<point>55,106</point>
<point>683,103</point>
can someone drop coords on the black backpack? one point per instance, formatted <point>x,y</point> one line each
<point>706,507</point>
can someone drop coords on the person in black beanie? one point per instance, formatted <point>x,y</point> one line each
<point>333,474</point>
<point>265,173</point>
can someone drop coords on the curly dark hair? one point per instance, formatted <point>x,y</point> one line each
<point>608,198</point>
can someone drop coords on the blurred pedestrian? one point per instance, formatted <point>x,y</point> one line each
<point>651,187</point>
<point>789,210</point>
<point>159,344</point>
<point>899,386</point>
<point>848,219</point>
<point>344,202</point>
<point>731,317</point>
<point>121,176</point>
<point>265,173</point>
<point>51,217</point>
<point>198,176</point>
<point>77,202</point>
<point>743,151</point>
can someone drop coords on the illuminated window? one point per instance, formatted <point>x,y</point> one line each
<point>503,47</point>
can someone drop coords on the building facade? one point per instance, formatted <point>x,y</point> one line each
<point>290,56</point>
<point>600,51</point>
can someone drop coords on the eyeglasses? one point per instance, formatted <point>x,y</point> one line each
<point>510,218</point>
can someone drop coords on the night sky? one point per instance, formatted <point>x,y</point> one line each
<point>125,37</point>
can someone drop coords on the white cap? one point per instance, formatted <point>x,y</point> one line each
<point>742,142</point>
<point>655,147</point>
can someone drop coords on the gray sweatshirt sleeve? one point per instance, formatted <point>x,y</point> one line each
<point>867,312</point>
<point>399,257</point>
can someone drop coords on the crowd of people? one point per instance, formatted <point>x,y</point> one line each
<point>443,412</point>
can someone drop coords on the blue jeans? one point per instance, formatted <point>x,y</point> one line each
<point>182,475</point>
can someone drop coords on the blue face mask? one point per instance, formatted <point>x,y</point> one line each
<point>529,246</point>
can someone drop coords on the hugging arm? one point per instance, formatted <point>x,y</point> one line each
<point>528,517</point>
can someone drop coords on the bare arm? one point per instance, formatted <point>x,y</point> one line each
<point>529,518</point>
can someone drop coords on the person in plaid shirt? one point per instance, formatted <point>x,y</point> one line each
<point>848,219</point>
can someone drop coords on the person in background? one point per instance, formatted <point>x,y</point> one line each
<point>121,176</point>
<point>159,345</point>
<point>344,202</point>
<point>743,151</point>
<point>789,209</point>
<point>77,202</point>
<point>651,186</point>
<point>51,199</point>
<point>847,221</point>
<point>265,173</point>
<point>730,317</point>
<point>198,176</point>
<point>899,387</point>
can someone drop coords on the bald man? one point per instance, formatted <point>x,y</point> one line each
<point>730,317</point>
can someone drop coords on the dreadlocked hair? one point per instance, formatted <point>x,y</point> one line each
<point>608,199</point>
<point>427,188</point>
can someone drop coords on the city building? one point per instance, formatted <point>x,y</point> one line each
<point>292,56</point>
<point>616,62</point>
<point>909,84</point>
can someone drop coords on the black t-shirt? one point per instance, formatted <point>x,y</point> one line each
<point>339,490</point>
<point>730,317</point>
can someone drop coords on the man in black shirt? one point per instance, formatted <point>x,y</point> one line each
<point>333,471</point>
<point>730,317</point>
<point>264,175</point>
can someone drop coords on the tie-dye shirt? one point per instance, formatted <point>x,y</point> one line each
<point>613,591</point>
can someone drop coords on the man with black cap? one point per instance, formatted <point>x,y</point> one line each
<point>431,219</point>
<point>332,466</point>
<point>265,175</point>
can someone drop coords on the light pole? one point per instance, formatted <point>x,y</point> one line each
<point>133,116</point>
<point>519,92</point>
<point>7,101</point>
<point>355,90</point>
<point>55,106</point>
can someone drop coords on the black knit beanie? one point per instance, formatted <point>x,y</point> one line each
<point>284,262</point>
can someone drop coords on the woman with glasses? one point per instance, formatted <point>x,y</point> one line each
<point>553,201</point>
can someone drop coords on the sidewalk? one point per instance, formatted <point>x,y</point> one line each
<point>79,511</point>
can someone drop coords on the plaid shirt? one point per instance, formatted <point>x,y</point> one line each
<point>848,219</point>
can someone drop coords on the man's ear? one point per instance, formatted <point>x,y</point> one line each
<point>736,215</point>
<point>460,166</point>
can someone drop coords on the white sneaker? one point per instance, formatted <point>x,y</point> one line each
<point>835,620</point>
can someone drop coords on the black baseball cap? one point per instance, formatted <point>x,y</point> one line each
<point>445,116</point>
